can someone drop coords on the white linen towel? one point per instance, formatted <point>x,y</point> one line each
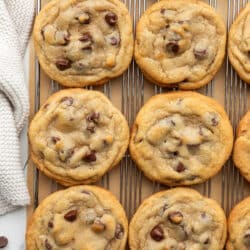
<point>15,23</point>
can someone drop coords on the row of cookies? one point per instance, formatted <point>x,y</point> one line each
<point>178,138</point>
<point>91,218</point>
<point>178,43</point>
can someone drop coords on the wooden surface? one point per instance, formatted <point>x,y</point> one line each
<point>128,93</point>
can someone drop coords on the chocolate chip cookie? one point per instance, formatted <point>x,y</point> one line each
<point>180,219</point>
<point>181,138</point>
<point>239,44</point>
<point>180,43</point>
<point>79,218</point>
<point>241,154</point>
<point>83,42</point>
<point>239,226</point>
<point>77,136</point>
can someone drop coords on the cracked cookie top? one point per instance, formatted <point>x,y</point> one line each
<point>77,136</point>
<point>179,219</point>
<point>239,44</point>
<point>176,138</point>
<point>239,226</point>
<point>79,218</point>
<point>180,43</point>
<point>83,42</point>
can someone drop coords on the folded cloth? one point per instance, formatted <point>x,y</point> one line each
<point>15,24</point>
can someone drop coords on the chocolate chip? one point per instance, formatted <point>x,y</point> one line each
<point>114,41</point>
<point>63,64</point>
<point>246,240</point>
<point>55,139</point>
<point>175,217</point>
<point>68,99</point>
<point>119,231</point>
<point>3,241</point>
<point>111,18</point>
<point>98,226</point>
<point>172,47</point>
<point>157,233</point>
<point>50,224</point>
<point>93,117</point>
<point>87,47</point>
<point>215,122</point>
<point>90,157</point>
<point>180,168</point>
<point>71,215</point>
<point>207,241</point>
<point>86,37</point>
<point>163,11</point>
<point>200,54</point>
<point>167,26</point>
<point>47,245</point>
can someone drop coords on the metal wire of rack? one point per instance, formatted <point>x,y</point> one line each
<point>133,85</point>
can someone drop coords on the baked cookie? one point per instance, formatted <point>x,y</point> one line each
<point>78,218</point>
<point>83,42</point>
<point>181,138</point>
<point>180,43</point>
<point>239,226</point>
<point>179,219</point>
<point>239,44</point>
<point>241,153</point>
<point>77,136</point>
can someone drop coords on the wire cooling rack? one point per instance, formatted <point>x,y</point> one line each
<point>131,186</point>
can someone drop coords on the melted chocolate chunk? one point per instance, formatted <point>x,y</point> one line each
<point>173,47</point>
<point>207,241</point>
<point>47,245</point>
<point>3,241</point>
<point>111,18</point>
<point>246,240</point>
<point>50,224</point>
<point>67,99</point>
<point>200,54</point>
<point>86,37</point>
<point>87,47</point>
<point>180,168</point>
<point>157,233</point>
<point>93,117</point>
<point>175,217</point>
<point>55,139</point>
<point>90,157</point>
<point>71,215</point>
<point>119,231</point>
<point>63,64</point>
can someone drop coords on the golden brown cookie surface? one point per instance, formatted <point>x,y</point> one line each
<point>180,219</point>
<point>77,136</point>
<point>241,154</point>
<point>181,138</point>
<point>239,226</point>
<point>81,217</point>
<point>83,42</point>
<point>180,43</point>
<point>239,44</point>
